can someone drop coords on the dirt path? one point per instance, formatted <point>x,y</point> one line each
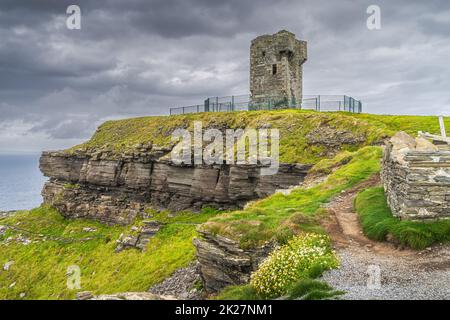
<point>374,270</point>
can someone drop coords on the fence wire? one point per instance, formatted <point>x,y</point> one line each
<point>246,103</point>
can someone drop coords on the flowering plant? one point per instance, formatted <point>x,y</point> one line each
<point>295,260</point>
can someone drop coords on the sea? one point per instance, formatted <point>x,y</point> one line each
<point>20,182</point>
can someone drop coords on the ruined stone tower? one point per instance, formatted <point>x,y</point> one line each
<point>276,69</point>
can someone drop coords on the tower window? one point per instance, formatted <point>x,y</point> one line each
<point>263,53</point>
<point>274,69</point>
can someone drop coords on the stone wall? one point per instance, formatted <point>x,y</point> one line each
<point>416,178</point>
<point>276,66</point>
<point>116,189</point>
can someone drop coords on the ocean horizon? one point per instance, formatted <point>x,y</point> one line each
<point>21,182</point>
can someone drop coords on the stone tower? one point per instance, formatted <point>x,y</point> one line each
<point>276,68</point>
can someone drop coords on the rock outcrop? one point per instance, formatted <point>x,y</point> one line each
<point>117,188</point>
<point>416,178</point>
<point>184,283</point>
<point>223,262</point>
<point>142,237</point>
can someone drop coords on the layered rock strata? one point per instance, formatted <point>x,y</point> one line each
<point>223,263</point>
<point>117,188</point>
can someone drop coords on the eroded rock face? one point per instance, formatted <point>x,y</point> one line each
<point>333,139</point>
<point>223,263</point>
<point>116,189</point>
<point>416,178</point>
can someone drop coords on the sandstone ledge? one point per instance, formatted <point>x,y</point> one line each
<point>116,190</point>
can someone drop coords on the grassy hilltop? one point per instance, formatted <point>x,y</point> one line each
<point>40,267</point>
<point>294,126</point>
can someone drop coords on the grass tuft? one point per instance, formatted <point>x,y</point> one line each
<point>242,292</point>
<point>310,289</point>
<point>378,222</point>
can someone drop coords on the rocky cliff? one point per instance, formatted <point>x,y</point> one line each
<point>116,188</point>
<point>223,263</point>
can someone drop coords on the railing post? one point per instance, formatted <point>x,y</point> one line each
<point>319,102</point>
<point>442,126</point>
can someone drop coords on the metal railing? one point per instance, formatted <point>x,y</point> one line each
<point>246,103</point>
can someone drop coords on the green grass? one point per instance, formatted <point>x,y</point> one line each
<point>303,289</point>
<point>279,217</point>
<point>310,289</point>
<point>241,292</point>
<point>378,222</point>
<point>410,124</point>
<point>294,125</point>
<point>39,269</point>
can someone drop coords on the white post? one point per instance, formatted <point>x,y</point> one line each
<point>441,124</point>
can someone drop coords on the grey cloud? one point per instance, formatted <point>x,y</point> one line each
<point>139,57</point>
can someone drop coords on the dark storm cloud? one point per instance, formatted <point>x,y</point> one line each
<point>140,57</point>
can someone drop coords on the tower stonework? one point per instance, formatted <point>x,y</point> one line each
<point>276,68</point>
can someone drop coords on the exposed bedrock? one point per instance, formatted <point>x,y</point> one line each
<point>223,263</point>
<point>116,189</point>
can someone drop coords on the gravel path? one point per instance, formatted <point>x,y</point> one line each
<point>400,277</point>
<point>373,270</point>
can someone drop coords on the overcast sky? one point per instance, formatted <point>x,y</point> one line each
<point>140,57</point>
